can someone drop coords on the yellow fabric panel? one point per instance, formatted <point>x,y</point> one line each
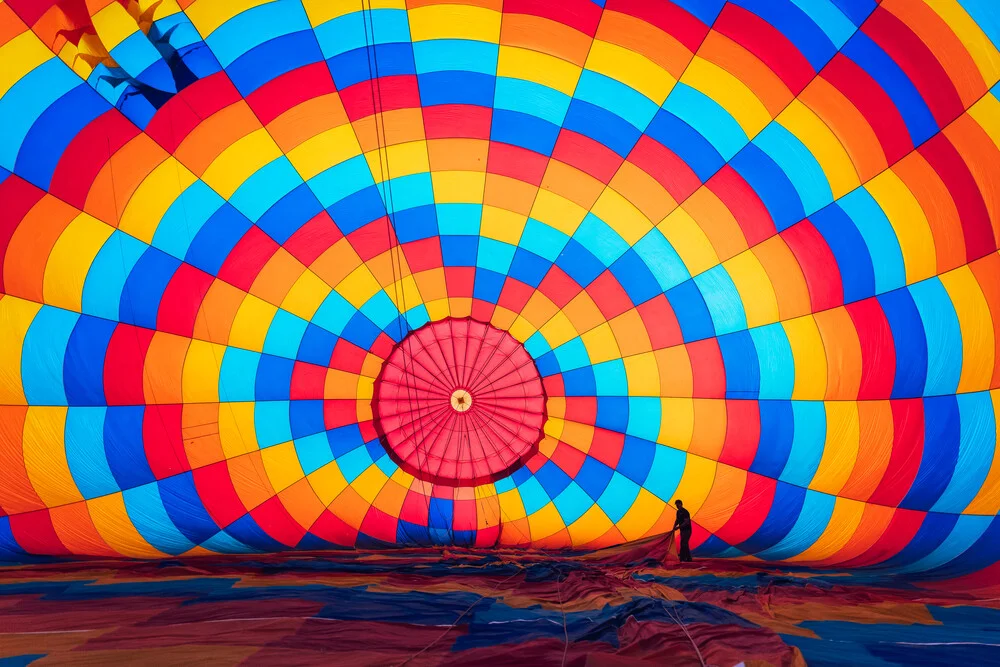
<point>641,516</point>
<point>843,523</point>
<point>909,223</point>
<point>405,294</point>
<point>511,506</point>
<point>840,452</point>
<point>116,528</point>
<point>809,358</point>
<point>251,324</point>
<point>328,482</point>
<point>978,332</point>
<point>729,92</point>
<point>282,465</point>
<point>975,40</point>
<point>240,161</point>
<point>643,375</point>
<point>306,296</point>
<point>45,456</point>
<point>557,212</point>
<point>201,372</point>
<point>359,286</point>
<point>676,423</point>
<point>207,15</point>
<point>502,225</point>
<point>369,483</point>
<point>588,527</point>
<point>19,56</point>
<point>326,149</point>
<point>622,216</point>
<point>986,113</point>
<point>113,24</point>
<point>987,501</point>
<point>458,187</point>
<point>541,68</point>
<point>521,329</point>
<point>71,259</point>
<point>601,344</point>
<point>696,483</point>
<point>236,429</point>
<point>399,160</point>
<point>447,21</point>
<point>16,316</point>
<point>558,330</point>
<point>817,136</point>
<point>153,197</point>
<point>631,68</point>
<point>755,288</point>
<point>689,241</point>
<point>321,11</point>
<point>553,427</point>
<point>545,522</point>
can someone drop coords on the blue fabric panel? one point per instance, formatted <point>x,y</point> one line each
<point>784,513</point>
<point>83,368</point>
<point>776,436</point>
<point>53,131</point>
<point>848,246</point>
<point>123,446</point>
<point>272,59</point>
<point>869,56</point>
<point>942,435</point>
<point>910,342</point>
<point>185,509</point>
<point>691,312</point>
<point>739,358</point>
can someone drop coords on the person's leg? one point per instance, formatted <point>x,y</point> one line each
<point>685,550</point>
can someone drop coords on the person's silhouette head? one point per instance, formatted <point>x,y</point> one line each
<point>679,503</point>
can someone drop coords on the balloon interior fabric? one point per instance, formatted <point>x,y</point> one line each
<point>319,274</point>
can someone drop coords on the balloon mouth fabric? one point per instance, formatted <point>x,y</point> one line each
<point>459,402</point>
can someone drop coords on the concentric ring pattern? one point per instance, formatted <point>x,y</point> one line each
<point>459,403</point>
<point>751,246</point>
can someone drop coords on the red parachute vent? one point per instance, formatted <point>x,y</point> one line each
<point>460,403</point>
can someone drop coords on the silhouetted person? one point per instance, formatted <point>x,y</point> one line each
<point>683,524</point>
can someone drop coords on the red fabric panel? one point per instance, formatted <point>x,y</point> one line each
<point>182,300</point>
<point>581,15</point>
<point>907,450</point>
<point>767,43</point>
<point>949,165</point>
<point>123,365</point>
<point>744,204</point>
<point>313,238</point>
<point>708,368</point>
<point>818,264</point>
<point>183,112</point>
<point>758,496</point>
<point>18,197</point>
<point>289,90</point>
<point>878,351</point>
<point>666,167</point>
<point>742,434</point>
<point>87,154</point>
<point>447,121</point>
<point>163,440</point>
<point>916,59</point>
<point>247,259</point>
<point>275,520</point>
<point>587,155</point>
<point>873,103</point>
<point>215,489</point>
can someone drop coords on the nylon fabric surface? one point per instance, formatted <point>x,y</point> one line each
<point>633,606</point>
<point>749,247</point>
